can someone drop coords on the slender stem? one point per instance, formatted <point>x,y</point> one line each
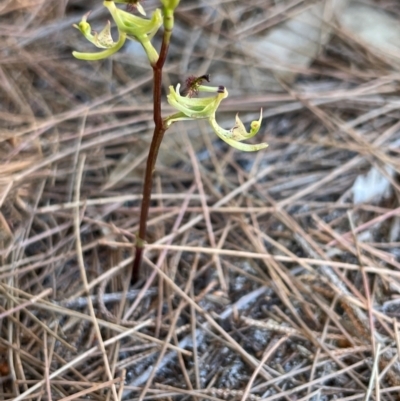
<point>159,130</point>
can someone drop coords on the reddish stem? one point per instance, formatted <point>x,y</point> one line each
<point>159,130</point>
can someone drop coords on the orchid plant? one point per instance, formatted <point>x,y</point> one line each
<point>188,107</point>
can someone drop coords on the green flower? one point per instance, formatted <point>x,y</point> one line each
<point>194,108</point>
<point>102,40</point>
<point>137,28</point>
<point>238,133</point>
<point>129,27</point>
<point>205,108</point>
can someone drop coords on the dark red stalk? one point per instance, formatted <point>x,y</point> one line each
<point>159,130</point>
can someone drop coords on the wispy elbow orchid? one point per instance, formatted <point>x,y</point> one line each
<point>205,108</point>
<point>129,27</point>
<point>187,107</point>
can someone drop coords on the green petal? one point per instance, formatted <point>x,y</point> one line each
<point>196,108</point>
<point>133,25</point>
<point>176,117</point>
<point>85,28</point>
<point>226,136</point>
<point>245,147</point>
<point>239,133</point>
<point>102,40</point>
<point>104,54</point>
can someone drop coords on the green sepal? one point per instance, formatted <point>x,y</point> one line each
<point>228,137</point>
<point>102,40</point>
<point>239,132</point>
<point>195,108</point>
<point>135,27</point>
<point>104,54</point>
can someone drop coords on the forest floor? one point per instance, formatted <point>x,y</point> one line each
<point>272,275</point>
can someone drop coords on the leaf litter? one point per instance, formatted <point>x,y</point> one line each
<point>299,296</point>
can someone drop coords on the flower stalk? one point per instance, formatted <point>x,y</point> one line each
<point>158,135</point>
